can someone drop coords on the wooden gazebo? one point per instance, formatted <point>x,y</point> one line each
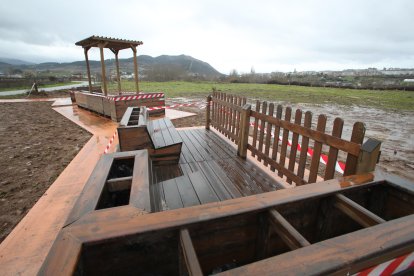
<point>114,45</point>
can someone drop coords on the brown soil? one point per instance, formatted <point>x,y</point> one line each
<point>36,144</point>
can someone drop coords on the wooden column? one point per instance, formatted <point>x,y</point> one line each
<point>117,71</point>
<point>105,88</point>
<point>208,112</point>
<point>244,131</point>
<point>368,156</point>
<point>88,69</point>
<point>134,50</point>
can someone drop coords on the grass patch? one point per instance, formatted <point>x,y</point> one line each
<point>386,99</point>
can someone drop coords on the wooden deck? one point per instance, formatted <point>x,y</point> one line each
<point>209,170</point>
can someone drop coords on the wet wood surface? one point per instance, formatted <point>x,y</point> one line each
<point>209,170</point>
<point>237,218</point>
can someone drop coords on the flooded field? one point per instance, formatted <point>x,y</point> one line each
<point>395,130</point>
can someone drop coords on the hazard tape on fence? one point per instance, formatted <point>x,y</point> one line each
<point>391,267</point>
<point>136,97</point>
<point>195,104</point>
<point>339,166</point>
<point>110,143</point>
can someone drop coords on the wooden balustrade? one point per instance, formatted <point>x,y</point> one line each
<point>289,145</point>
<point>225,113</point>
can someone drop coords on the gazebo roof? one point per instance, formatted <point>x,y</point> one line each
<point>111,43</point>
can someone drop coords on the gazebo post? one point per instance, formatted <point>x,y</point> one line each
<point>115,45</point>
<point>117,71</point>
<point>86,49</point>
<point>134,50</point>
<point>105,89</point>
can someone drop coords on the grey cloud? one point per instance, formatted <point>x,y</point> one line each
<point>261,32</point>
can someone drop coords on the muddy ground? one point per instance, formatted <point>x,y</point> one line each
<point>36,144</point>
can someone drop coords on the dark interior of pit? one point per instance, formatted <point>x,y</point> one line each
<point>120,168</point>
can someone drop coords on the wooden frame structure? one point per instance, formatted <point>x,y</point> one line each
<point>115,106</point>
<point>271,143</point>
<point>115,45</point>
<point>136,132</point>
<point>339,226</point>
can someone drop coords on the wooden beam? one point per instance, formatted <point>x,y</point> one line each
<point>244,131</point>
<point>88,69</point>
<point>105,88</point>
<point>190,256</point>
<point>357,137</point>
<point>134,50</point>
<point>368,156</point>
<point>286,231</point>
<point>118,76</point>
<point>119,184</point>
<point>355,211</point>
<point>343,255</point>
<point>208,120</point>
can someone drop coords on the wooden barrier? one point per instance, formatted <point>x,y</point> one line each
<point>115,106</point>
<point>132,130</point>
<point>225,113</point>
<point>136,131</point>
<point>284,145</point>
<point>335,227</point>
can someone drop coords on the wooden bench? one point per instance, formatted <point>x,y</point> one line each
<point>136,131</point>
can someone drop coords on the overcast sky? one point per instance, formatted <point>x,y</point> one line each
<point>266,35</point>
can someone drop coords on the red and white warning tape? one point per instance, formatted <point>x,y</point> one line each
<point>135,97</point>
<point>109,143</point>
<point>391,267</point>
<point>339,166</point>
<point>197,104</point>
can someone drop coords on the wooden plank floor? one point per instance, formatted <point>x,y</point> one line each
<point>209,170</point>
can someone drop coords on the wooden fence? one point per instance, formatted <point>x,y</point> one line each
<point>292,148</point>
<point>225,113</point>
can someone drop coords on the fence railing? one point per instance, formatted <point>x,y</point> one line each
<point>224,114</point>
<point>289,145</point>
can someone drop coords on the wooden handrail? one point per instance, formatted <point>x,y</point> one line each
<point>349,147</point>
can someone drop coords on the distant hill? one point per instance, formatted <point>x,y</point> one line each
<point>182,64</point>
<point>12,61</point>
